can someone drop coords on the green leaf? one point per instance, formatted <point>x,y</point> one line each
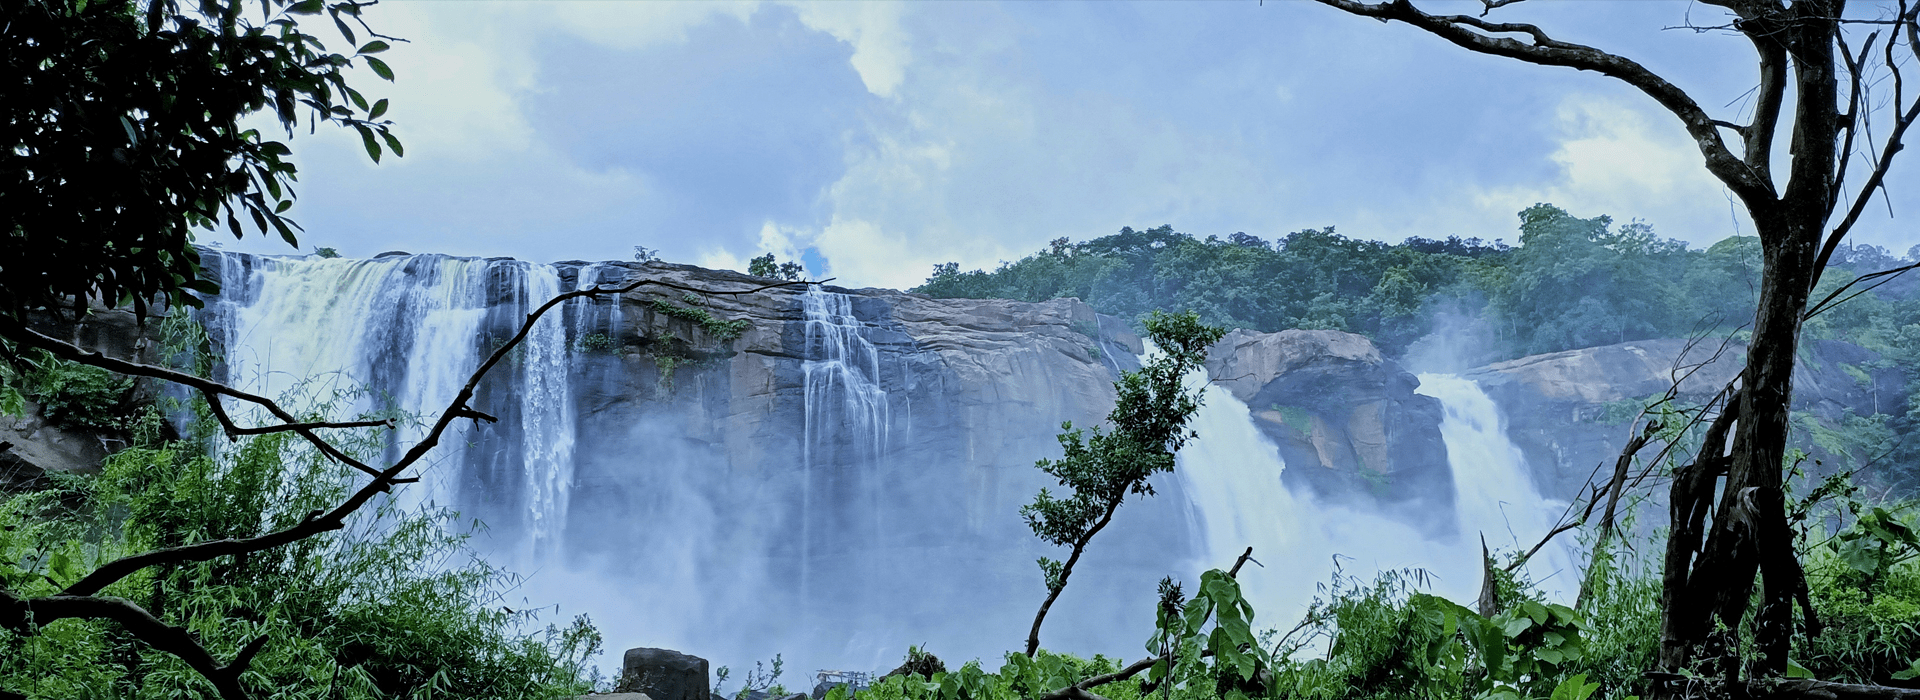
<point>393,143</point>
<point>1513,628</point>
<point>1795,670</point>
<point>133,137</point>
<point>380,68</point>
<point>1912,672</point>
<point>1536,611</point>
<point>372,144</point>
<point>375,46</point>
<point>307,7</point>
<point>379,108</point>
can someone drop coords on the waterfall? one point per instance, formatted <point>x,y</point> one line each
<point>845,430</point>
<point>1231,473</point>
<point>546,411</point>
<point>356,334</point>
<point>1495,492</point>
<point>842,378</point>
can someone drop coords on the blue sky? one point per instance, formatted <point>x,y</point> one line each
<point>882,138</point>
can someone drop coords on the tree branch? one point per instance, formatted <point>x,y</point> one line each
<point>26,614</point>
<point>1066,570</point>
<point>1466,32</point>
<point>1894,144</point>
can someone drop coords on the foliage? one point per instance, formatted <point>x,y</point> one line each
<point>383,609</point>
<point>1224,660</point>
<point>1386,639</point>
<point>124,125</point>
<point>1019,678</point>
<point>326,252</point>
<point>721,330</point>
<point>764,266</point>
<point>1865,582</point>
<point>1330,281</point>
<point>70,395</point>
<point>1146,426</point>
<point>1573,283</point>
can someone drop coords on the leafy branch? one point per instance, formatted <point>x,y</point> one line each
<point>1148,424</point>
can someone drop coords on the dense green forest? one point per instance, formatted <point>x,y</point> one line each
<point>1570,283</point>
<point>1454,303</point>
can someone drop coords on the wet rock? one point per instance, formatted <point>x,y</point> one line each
<point>1345,414</point>
<point>663,674</point>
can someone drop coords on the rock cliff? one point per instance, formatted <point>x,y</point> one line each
<point>1568,411</point>
<point>1346,420</point>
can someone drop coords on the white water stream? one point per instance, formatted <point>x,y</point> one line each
<point>407,332</point>
<point>1231,474</point>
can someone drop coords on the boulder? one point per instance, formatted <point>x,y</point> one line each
<point>663,674</point>
<point>31,447</point>
<point>1346,419</point>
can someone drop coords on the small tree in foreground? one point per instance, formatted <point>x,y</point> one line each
<point>1147,426</point>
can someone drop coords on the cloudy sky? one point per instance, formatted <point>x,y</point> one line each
<point>877,139</point>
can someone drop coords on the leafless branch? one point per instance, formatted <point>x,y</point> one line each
<point>1476,35</point>
<point>1828,302</point>
<point>1910,21</point>
<point>27,613</point>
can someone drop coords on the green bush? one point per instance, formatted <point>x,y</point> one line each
<point>1865,585</point>
<point>73,395</point>
<point>393,606</point>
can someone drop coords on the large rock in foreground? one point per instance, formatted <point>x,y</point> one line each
<point>663,674</point>
<point>1346,419</point>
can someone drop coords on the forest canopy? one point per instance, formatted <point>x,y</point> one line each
<point>1572,282</point>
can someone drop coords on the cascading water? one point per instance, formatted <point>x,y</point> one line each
<point>842,371</point>
<point>847,424</point>
<point>344,332</point>
<point>1495,491</point>
<point>1231,473</point>
<point>546,412</point>
<point>833,534</point>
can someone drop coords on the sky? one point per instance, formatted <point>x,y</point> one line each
<point>875,140</point>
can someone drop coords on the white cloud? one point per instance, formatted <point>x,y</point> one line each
<point>880,45</point>
<point>1628,162</point>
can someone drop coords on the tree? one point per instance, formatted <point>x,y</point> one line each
<point>1147,425</point>
<point>124,126</point>
<point>764,266</point>
<point>1806,46</point>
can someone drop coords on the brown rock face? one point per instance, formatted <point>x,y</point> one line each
<point>1347,420</point>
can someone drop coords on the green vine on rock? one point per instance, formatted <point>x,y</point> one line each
<point>722,330</point>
